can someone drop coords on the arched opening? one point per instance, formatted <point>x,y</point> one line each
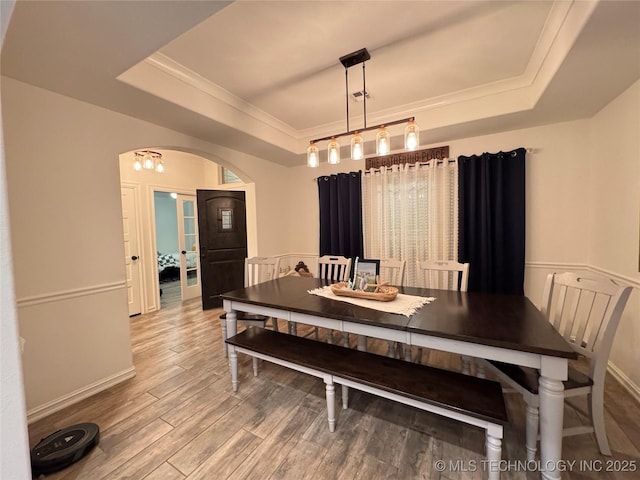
<point>160,223</point>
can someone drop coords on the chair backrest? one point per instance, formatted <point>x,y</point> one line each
<point>392,271</point>
<point>334,268</point>
<point>586,312</point>
<point>442,274</point>
<point>260,269</point>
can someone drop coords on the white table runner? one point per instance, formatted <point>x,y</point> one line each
<point>403,304</point>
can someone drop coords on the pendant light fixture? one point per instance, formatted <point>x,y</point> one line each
<point>357,147</point>
<point>383,138</point>
<point>333,152</point>
<point>313,156</point>
<point>383,142</point>
<point>148,160</point>
<point>411,136</point>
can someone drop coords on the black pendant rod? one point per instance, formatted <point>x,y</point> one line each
<point>364,93</point>
<point>349,60</point>
<point>346,92</point>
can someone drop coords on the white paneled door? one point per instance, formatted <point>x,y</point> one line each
<point>131,249</point>
<point>188,245</point>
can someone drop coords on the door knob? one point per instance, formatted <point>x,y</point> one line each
<point>134,257</point>
<point>184,252</point>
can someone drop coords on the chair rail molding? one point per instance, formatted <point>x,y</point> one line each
<point>68,294</point>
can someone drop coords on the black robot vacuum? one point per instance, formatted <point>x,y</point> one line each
<point>64,447</point>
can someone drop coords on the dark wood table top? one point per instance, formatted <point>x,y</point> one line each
<point>507,321</point>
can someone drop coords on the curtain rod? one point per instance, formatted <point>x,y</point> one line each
<point>449,160</point>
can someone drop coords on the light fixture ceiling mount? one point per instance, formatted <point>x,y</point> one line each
<point>383,138</point>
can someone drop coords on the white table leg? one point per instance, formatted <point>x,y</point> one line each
<point>230,328</point>
<point>551,395</point>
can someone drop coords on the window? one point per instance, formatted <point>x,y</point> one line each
<point>411,213</point>
<point>227,176</point>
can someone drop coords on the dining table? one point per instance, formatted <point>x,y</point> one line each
<point>505,328</point>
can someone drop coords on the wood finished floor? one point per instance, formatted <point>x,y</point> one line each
<point>179,419</point>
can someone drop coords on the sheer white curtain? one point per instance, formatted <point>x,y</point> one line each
<point>411,213</point>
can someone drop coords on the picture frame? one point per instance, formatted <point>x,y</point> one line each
<point>366,274</point>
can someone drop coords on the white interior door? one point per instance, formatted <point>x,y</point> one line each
<point>131,250</point>
<point>188,244</point>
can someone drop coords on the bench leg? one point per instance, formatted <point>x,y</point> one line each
<point>532,422</point>
<point>466,365</point>
<point>233,359</point>
<point>331,403</point>
<point>391,349</point>
<point>255,366</point>
<point>362,343</point>
<point>293,328</point>
<point>494,452</point>
<point>345,397</point>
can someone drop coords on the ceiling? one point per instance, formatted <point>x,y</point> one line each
<point>263,77</point>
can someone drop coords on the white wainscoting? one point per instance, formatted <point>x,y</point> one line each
<point>77,344</point>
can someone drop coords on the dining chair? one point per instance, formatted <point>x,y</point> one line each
<point>333,268</point>
<point>586,312</point>
<point>392,272</point>
<point>256,270</point>
<point>445,275</point>
<point>442,274</point>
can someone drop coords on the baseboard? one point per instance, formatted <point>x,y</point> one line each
<point>625,381</point>
<point>53,406</point>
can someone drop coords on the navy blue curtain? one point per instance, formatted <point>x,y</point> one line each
<point>491,195</point>
<point>340,199</point>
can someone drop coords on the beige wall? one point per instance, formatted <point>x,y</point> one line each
<point>66,229</point>
<point>614,206</point>
<point>63,181</point>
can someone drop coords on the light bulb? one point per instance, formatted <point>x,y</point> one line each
<point>313,158</point>
<point>383,142</point>
<point>148,162</point>
<point>411,136</point>
<point>333,152</point>
<point>137,165</point>
<point>357,147</point>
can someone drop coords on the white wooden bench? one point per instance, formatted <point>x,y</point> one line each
<point>472,400</point>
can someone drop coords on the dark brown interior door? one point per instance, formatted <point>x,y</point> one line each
<point>222,225</point>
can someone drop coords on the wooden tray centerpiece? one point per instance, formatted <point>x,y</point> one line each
<point>381,293</point>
